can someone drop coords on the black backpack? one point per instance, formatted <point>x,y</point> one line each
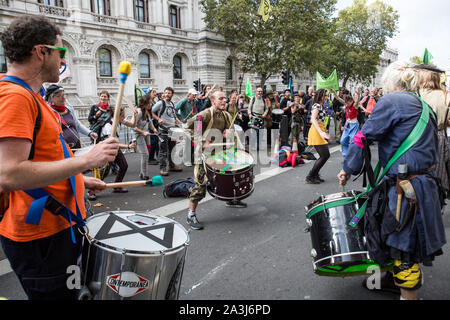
<point>179,188</point>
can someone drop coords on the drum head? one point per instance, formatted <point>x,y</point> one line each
<point>230,160</point>
<point>238,128</point>
<point>176,130</point>
<point>278,112</point>
<point>139,233</point>
<point>82,151</point>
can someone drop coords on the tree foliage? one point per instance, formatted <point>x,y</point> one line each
<point>360,36</point>
<point>285,41</point>
<point>302,35</point>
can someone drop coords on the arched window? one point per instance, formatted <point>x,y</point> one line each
<point>177,74</point>
<point>229,69</point>
<point>3,68</point>
<point>104,60</point>
<point>144,65</point>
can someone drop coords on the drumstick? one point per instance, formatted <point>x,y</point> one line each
<point>237,137</point>
<point>188,115</point>
<point>154,182</point>
<point>125,70</point>
<point>211,90</point>
<point>220,144</point>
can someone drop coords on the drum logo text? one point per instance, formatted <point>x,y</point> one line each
<point>127,284</point>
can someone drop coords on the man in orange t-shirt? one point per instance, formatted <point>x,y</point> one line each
<point>40,253</point>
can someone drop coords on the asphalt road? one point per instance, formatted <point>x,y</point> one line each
<point>256,253</point>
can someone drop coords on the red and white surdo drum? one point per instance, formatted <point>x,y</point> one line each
<point>129,255</point>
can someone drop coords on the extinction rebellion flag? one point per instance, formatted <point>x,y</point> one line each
<point>326,83</point>
<point>264,9</point>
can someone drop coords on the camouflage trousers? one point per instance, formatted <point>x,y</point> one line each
<point>200,180</point>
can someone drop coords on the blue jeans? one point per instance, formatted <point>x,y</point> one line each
<point>350,130</point>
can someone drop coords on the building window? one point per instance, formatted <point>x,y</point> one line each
<point>3,67</point>
<point>229,69</point>
<point>174,17</point>
<point>55,3</point>
<point>141,10</point>
<point>104,60</point>
<point>144,65</point>
<point>102,7</point>
<point>177,74</point>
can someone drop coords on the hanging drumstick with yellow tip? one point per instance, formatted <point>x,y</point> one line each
<point>124,70</point>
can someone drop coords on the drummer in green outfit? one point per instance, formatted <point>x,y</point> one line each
<point>215,118</point>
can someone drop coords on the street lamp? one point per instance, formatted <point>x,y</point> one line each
<point>241,78</point>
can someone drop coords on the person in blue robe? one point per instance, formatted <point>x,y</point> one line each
<point>422,234</point>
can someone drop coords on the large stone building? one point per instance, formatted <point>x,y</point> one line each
<point>166,42</point>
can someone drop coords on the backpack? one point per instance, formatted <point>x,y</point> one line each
<point>4,196</point>
<point>179,188</point>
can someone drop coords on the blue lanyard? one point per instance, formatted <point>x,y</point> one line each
<point>41,196</point>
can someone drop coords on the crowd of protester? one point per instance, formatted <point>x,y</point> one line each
<point>306,117</point>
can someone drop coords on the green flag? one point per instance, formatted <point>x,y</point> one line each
<point>326,83</point>
<point>426,57</point>
<point>264,9</point>
<point>248,89</point>
<point>138,93</point>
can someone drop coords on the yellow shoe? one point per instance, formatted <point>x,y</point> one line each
<point>407,276</point>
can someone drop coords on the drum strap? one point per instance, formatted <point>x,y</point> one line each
<point>43,199</point>
<point>411,140</point>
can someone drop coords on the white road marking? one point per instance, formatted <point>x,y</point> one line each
<point>5,267</point>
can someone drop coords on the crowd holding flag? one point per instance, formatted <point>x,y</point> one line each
<point>326,83</point>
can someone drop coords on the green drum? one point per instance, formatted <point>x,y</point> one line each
<point>338,250</point>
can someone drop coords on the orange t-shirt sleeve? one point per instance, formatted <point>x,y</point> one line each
<point>18,114</point>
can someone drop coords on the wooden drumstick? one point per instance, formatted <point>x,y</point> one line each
<point>125,70</point>
<point>211,90</point>
<point>220,144</point>
<point>154,182</point>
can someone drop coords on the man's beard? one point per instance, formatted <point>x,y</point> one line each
<point>50,75</point>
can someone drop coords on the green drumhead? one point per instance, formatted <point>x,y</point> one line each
<point>361,269</point>
<point>230,160</point>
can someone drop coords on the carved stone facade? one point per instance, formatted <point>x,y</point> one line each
<point>86,31</point>
<point>163,35</point>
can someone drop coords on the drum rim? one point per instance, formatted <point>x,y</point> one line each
<point>215,195</point>
<point>329,201</point>
<point>230,172</point>
<point>366,253</point>
<point>111,248</point>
